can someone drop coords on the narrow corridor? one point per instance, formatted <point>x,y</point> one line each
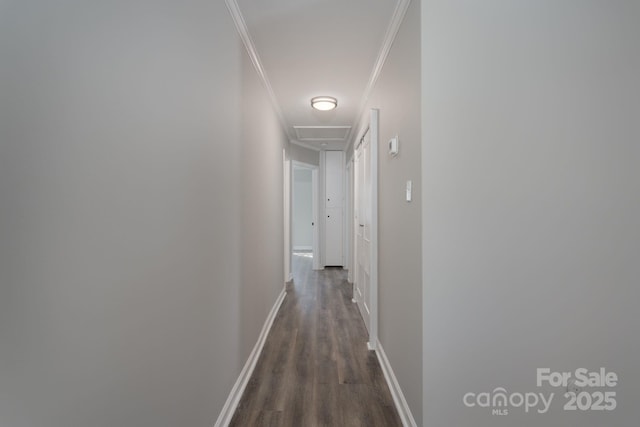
<point>315,369</point>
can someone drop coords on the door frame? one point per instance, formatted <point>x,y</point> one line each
<point>348,219</point>
<point>286,188</point>
<point>314,208</point>
<point>372,127</point>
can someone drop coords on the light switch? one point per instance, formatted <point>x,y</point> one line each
<point>393,146</point>
<point>409,191</point>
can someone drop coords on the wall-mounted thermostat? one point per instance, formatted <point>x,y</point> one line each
<point>393,146</point>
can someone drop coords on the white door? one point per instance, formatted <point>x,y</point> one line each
<point>365,225</point>
<point>363,230</point>
<point>334,209</point>
<point>334,175</point>
<point>333,241</point>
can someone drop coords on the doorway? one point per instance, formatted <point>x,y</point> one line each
<point>304,215</point>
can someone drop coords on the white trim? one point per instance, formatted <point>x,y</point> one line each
<point>302,248</point>
<point>315,207</point>
<point>396,392</point>
<point>322,156</point>
<point>287,175</point>
<point>243,30</point>
<point>231,404</point>
<point>389,37</point>
<point>348,220</point>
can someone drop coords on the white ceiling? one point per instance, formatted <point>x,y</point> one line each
<point>307,48</point>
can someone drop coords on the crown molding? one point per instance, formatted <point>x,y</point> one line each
<point>389,38</point>
<point>247,40</point>
<point>390,35</point>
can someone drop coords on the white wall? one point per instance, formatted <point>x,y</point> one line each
<point>531,218</point>
<point>304,155</point>
<point>126,298</point>
<point>397,96</point>
<point>302,209</point>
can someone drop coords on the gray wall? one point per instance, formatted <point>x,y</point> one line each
<point>122,301</point>
<point>262,201</point>
<point>302,230</point>
<point>531,218</point>
<point>397,96</point>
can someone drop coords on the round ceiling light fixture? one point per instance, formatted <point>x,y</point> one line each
<point>324,103</point>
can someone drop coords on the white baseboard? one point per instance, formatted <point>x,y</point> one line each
<point>231,404</point>
<point>394,387</point>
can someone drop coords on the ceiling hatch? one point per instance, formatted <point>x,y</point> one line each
<point>322,133</point>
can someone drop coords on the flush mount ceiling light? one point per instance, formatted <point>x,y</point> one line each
<point>324,103</point>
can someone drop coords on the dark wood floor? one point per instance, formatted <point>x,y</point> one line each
<point>315,369</point>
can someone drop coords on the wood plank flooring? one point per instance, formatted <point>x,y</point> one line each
<point>315,369</point>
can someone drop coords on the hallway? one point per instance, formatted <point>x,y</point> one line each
<point>315,369</point>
